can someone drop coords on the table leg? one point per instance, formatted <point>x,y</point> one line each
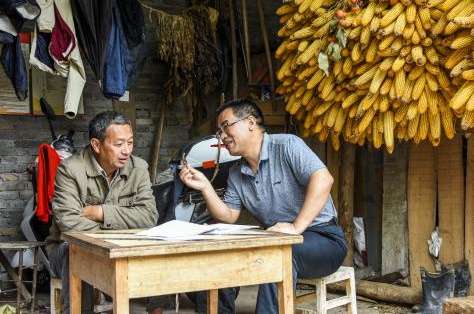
<point>19,282</point>
<point>75,284</point>
<point>35,277</point>
<point>212,301</point>
<point>121,302</point>
<point>285,288</point>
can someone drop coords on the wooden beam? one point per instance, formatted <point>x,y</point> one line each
<point>469,209</point>
<point>451,200</point>
<point>346,200</point>
<point>333,164</point>
<point>156,148</point>
<point>383,292</point>
<point>421,197</point>
<point>394,215</point>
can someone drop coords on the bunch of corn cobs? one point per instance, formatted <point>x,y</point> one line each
<point>379,70</point>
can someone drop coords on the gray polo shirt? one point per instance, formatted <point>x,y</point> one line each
<point>277,191</point>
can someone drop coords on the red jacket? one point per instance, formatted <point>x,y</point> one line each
<point>48,161</point>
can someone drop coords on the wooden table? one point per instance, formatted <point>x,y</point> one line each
<point>21,246</point>
<point>126,266</point>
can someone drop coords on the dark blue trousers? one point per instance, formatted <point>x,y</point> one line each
<point>321,253</point>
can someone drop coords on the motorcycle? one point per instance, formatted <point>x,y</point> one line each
<point>176,201</point>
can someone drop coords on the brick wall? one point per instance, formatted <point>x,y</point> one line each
<point>20,136</point>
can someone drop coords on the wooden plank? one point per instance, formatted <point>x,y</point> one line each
<point>451,200</point>
<point>382,291</point>
<point>333,164</point>
<point>127,107</point>
<point>469,210</point>
<point>459,306</point>
<point>75,285</point>
<point>185,272</point>
<point>103,247</point>
<point>421,208</point>
<point>346,201</point>
<point>120,284</point>
<point>394,216</point>
<point>285,287</point>
<point>100,275</point>
<point>213,301</point>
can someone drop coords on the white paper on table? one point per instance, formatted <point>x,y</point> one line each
<point>229,228</point>
<point>178,229</point>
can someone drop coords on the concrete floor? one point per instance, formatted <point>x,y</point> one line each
<point>245,305</point>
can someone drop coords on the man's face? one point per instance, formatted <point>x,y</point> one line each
<point>233,131</point>
<point>116,148</point>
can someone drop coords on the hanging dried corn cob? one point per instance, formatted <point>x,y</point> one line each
<point>379,70</point>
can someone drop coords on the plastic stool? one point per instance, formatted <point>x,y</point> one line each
<point>322,305</point>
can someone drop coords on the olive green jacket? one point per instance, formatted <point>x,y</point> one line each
<point>78,183</point>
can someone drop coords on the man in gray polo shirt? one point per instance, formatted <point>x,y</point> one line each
<point>284,185</point>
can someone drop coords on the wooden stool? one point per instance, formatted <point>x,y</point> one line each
<point>55,295</point>
<point>57,305</point>
<point>322,305</point>
<point>21,247</point>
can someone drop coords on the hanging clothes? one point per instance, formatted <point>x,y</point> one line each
<point>45,21</point>
<point>93,20</point>
<point>133,22</point>
<point>76,74</point>
<point>13,14</point>
<point>15,68</point>
<point>61,45</point>
<point>48,161</point>
<point>118,63</point>
<point>41,38</point>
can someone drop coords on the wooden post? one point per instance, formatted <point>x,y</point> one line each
<point>268,55</point>
<point>451,200</point>
<point>75,283</point>
<point>246,39</point>
<point>156,147</point>
<point>421,208</point>
<point>394,215</point>
<point>120,293</point>
<point>346,200</point>
<point>333,164</point>
<point>469,209</point>
<point>233,43</point>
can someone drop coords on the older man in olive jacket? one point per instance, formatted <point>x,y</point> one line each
<point>102,187</point>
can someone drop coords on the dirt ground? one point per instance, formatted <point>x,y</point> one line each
<point>245,305</point>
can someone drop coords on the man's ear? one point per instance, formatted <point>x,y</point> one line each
<point>95,144</point>
<point>252,122</point>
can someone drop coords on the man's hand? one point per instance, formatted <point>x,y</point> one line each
<point>94,213</point>
<point>284,227</point>
<point>194,179</point>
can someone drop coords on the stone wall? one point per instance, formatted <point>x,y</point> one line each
<point>20,136</point>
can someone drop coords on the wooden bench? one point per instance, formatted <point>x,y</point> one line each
<point>459,305</point>
<point>21,247</point>
<point>322,304</point>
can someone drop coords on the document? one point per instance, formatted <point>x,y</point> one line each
<point>176,229</point>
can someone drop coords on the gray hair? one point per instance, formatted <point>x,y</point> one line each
<point>99,124</point>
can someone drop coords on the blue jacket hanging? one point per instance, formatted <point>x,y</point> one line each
<point>117,62</point>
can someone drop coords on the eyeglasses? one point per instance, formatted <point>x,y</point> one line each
<point>223,127</point>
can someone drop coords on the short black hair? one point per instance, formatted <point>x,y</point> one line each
<point>99,124</point>
<point>243,108</point>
